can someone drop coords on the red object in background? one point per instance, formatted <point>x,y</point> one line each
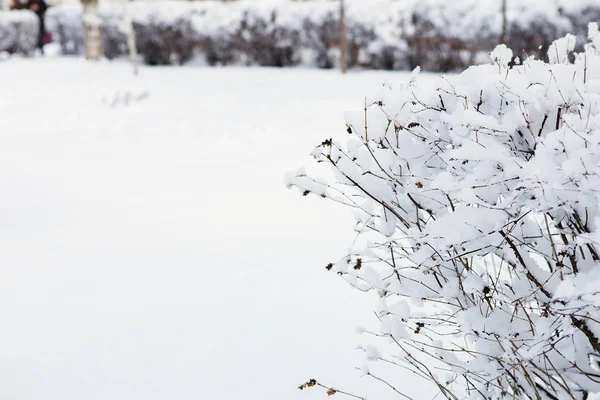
<point>46,38</point>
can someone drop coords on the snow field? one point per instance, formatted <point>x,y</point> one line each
<point>152,250</point>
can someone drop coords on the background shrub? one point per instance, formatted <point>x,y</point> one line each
<point>19,32</point>
<point>382,34</point>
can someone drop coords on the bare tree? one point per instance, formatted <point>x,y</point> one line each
<point>92,31</point>
<point>504,23</point>
<point>131,42</point>
<point>343,45</point>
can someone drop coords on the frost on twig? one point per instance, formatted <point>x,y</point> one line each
<point>477,200</point>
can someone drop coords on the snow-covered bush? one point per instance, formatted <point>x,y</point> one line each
<point>322,37</point>
<point>164,32</point>
<point>163,44</point>
<point>384,34</point>
<point>477,197</point>
<point>444,36</point>
<point>256,39</point>
<point>19,32</point>
<point>65,24</point>
<point>530,34</point>
<point>242,33</point>
<point>114,33</point>
<point>579,16</point>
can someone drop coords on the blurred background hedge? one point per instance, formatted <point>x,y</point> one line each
<point>382,34</point>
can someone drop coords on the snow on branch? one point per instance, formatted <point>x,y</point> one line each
<point>478,200</point>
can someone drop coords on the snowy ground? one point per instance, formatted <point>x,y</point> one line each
<point>152,251</point>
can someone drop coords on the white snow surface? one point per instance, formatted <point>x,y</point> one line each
<point>150,250</point>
